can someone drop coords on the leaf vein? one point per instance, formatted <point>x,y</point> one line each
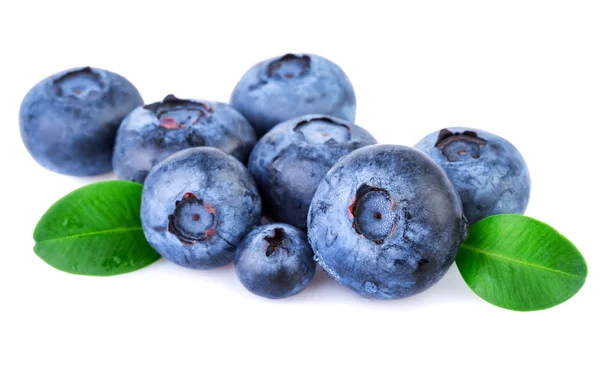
<point>507,259</point>
<point>91,234</point>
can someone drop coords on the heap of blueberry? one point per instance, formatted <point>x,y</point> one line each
<point>384,220</point>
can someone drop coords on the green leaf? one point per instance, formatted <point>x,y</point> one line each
<point>95,230</point>
<point>519,263</point>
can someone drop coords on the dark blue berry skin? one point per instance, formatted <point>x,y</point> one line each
<point>290,161</point>
<point>151,133</point>
<point>289,86</point>
<point>197,205</point>
<point>69,120</point>
<point>488,172</point>
<point>275,261</point>
<point>386,222</point>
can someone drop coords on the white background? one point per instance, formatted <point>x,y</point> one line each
<point>528,71</point>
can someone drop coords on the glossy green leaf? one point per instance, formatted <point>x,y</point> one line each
<point>95,230</point>
<point>519,263</point>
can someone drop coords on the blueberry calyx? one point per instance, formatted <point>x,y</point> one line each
<point>276,242</point>
<point>454,145</point>
<point>372,213</point>
<point>289,66</point>
<point>323,130</point>
<point>175,113</point>
<point>193,220</point>
<point>79,84</point>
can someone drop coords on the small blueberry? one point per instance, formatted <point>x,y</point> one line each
<point>275,261</point>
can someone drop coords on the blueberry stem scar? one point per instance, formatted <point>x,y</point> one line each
<point>181,228</point>
<point>303,61</point>
<point>446,138</point>
<point>300,124</point>
<point>275,242</point>
<point>171,103</point>
<point>361,222</point>
<point>84,71</point>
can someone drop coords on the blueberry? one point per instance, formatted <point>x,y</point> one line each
<point>152,132</point>
<point>488,172</point>
<point>275,261</point>
<point>386,222</point>
<point>290,161</point>
<point>289,86</point>
<point>197,205</point>
<point>69,120</point>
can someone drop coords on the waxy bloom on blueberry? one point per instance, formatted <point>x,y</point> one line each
<point>290,161</point>
<point>275,261</point>
<point>197,205</point>
<point>69,120</point>
<point>386,222</point>
<point>289,86</point>
<point>152,132</point>
<point>488,172</point>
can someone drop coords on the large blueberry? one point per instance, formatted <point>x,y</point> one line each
<point>197,205</point>
<point>386,222</point>
<point>152,132</point>
<point>69,120</point>
<point>289,86</point>
<point>487,171</point>
<point>290,161</point>
<point>275,261</point>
